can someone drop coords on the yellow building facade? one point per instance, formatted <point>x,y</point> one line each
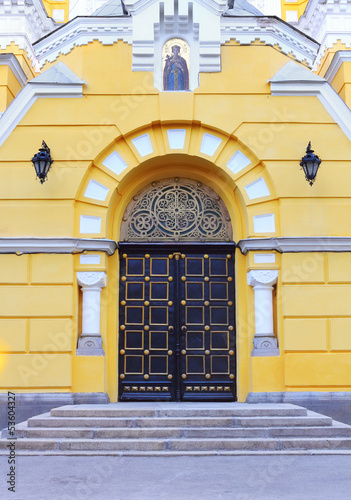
<point>112,287</point>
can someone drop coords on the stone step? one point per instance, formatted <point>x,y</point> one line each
<point>137,433</point>
<point>341,430</point>
<point>97,433</point>
<point>47,421</point>
<point>311,420</point>
<point>175,432</point>
<point>180,444</point>
<point>161,429</point>
<point>185,410</point>
<point>261,444</point>
<point>271,432</point>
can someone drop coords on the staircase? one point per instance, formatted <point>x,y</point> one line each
<point>162,429</point>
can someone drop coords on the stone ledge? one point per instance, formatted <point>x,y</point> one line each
<point>298,397</point>
<point>31,404</point>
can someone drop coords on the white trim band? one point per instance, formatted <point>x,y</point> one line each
<point>343,56</point>
<point>56,82</point>
<point>297,244</point>
<point>293,80</point>
<point>56,245</point>
<point>11,61</point>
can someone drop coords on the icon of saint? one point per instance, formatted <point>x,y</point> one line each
<point>176,74</point>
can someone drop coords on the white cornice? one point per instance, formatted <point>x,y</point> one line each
<point>137,6</point>
<point>32,14</point>
<point>22,22</point>
<point>81,31</point>
<point>272,31</point>
<point>339,58</point>
<point>313,86</point>
<point>327,21</point>
<point>22,41</point>
<point>297,244</point>
<point>11,61</point>
<point>56,245</point>
<point>245,30</point>
<point>33,90</point>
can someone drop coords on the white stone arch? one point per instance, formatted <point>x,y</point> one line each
<point>186,150</point>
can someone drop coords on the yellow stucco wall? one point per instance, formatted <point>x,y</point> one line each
<point>296,6</point>
<point>52,5</point>
<point>9,85</point>
<point>39,295</point>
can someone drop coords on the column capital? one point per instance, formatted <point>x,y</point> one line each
<point>262,277</point>
<point>93,279</point>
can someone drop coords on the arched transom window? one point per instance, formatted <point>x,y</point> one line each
<point>175,210</point>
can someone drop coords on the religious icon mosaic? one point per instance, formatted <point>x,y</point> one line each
<point>176,63</point>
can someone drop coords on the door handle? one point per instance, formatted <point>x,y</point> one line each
<point>170,329</point>
<point>184,329</point>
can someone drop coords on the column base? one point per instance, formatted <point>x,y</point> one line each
<point>265,346</point>
<point>89,346</point>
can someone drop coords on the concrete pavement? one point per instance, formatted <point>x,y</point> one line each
<point>287,477</point>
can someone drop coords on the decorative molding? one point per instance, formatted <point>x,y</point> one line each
<point>81,31</point>
<point>91,8</point>
<point>11,61</point>
<point>22,22</point>
<point>22,41</point>
<point>328,22</point>
<point>340,57</point>
<point>268,7</point>
<point>92,280</point>
<point>47,85</point>
<point>297,244</point>
<point>284,83</point>
<point>265,277</point>
<point>138,6</point>
<point>271,31</point>
<point>176,210</point>
<point>152,23</point>
<point>56,245</point>
<point>265,346</point>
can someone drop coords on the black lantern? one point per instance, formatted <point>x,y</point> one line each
<point>310,164</point>
<point>42,162</point>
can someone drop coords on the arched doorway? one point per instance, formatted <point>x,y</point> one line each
<point>177,318</point>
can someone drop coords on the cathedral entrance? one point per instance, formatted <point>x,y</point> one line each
<point>176,313</point>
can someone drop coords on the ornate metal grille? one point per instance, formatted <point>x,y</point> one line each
<point>176,210</point>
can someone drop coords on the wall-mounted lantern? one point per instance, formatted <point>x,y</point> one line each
<point>42,162</point>
<point>310,164</point>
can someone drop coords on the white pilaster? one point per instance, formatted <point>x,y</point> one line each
<point>90,341</point>
<point>265,342</point>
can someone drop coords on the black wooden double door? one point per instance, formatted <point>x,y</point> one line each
<point>176,323</point>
